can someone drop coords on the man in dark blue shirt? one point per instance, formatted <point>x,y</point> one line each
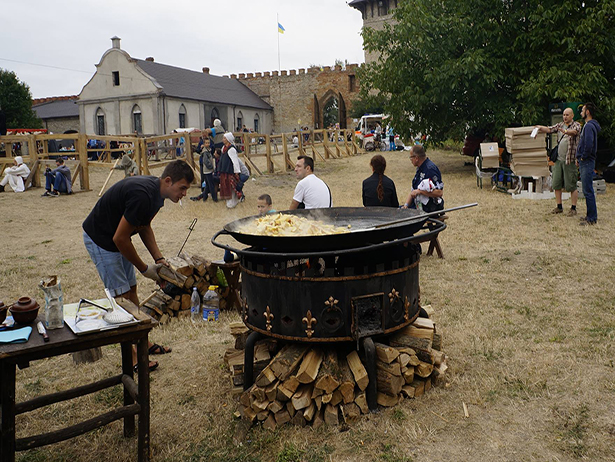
<point>586,160</point>
<point>427,185</point>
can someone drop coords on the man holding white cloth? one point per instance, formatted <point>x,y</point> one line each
<point>427,185</point>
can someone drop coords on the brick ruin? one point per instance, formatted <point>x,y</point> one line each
<point>300,96</point>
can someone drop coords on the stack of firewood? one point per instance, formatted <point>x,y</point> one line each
<point>309,385</point>
<point>172,299</point>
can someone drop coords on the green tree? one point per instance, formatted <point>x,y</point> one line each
<point>16,102</point>
<point>367,103</point>
<point>452,65</point>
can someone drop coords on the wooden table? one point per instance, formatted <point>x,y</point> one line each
<point>62,341</point>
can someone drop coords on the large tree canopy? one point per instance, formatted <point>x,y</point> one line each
<point>16,102</point>
<point>451,65</point>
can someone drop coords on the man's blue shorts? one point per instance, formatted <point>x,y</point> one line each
<point>116,272</point>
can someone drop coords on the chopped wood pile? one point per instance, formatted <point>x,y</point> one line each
<point>172,299</point>
<point>313,385</point>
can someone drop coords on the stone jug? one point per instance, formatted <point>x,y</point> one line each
<point>54,303</point>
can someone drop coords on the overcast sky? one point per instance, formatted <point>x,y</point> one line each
<point>53,46</point>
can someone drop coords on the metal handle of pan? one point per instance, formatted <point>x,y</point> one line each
<point>425,215</point>
<point>256,253</point>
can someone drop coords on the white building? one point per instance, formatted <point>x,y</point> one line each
<point>128,95</point>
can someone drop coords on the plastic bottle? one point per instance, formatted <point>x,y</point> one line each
<point>195,305</point>
<point>211,304</point>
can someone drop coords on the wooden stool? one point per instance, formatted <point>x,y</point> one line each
<point>231,273</point>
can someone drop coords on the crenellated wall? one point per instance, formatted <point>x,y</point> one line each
<point>299,96</point>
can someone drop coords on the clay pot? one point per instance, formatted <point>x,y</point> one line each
<point>24,304</point>
<point>24,310</point>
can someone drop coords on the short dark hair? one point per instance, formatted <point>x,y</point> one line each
<point>591,107</point>
<point>307,161</point>
<point>178,170</point>
<point>419,150</point>
<point>60,160</point>
<point>266,198</point>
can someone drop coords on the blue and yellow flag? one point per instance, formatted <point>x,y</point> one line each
<point>281,29</point>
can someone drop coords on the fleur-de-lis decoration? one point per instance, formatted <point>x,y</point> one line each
<point>245,310</point>
<point>268,316</point>
<point>406,306</point>
<point>331,302</point>
<point>309,321</point>
<point>393,296</point>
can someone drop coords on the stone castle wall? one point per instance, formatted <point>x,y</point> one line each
<point>299,96</point>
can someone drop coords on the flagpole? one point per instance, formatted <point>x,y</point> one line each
<point>278,34</point>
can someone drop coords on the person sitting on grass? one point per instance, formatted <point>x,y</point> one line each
<point>58,180</point>
<point>16,176</point>
<point>264,204</point>
<point>128,165</point>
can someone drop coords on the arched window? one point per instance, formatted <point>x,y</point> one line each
<point>214,115</point>
<point>182,116</point>
<point>99,122</point>
<point>137,121</point>
<point>383,7</point>
<point>257,124</point>
<point>239,121</point>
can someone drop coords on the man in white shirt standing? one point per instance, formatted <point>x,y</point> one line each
<point>311,192</point>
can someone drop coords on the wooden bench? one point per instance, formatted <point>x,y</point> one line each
<point>434,243</point>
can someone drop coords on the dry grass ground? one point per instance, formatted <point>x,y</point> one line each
<point>524,300</point>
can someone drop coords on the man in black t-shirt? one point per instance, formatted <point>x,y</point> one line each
<point>126,209</point>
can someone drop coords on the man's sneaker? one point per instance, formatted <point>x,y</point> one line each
<point>242,198</point>
<point>197,198</point>
<point>572,213</point>
<point>557,210</point>
<point>583,218</point>
<point>46,194</point>
<point>54,193</point>
<point>587,223</point>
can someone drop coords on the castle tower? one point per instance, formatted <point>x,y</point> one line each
<point>375,14</point>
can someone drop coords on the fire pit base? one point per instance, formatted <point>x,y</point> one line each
<point>332,383</point>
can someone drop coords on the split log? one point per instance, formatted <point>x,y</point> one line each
<point>262,415</point>
<point>260,405</point>
<point>408,375</point>
<point>361,401</point>
<point>201,265</point>
<point>421,346</point>
<point>271,391</point>
<point>336,398</point>
<point>437,341</point>
<point>331,416</point>
<point>393,368</point>
<point>358,370</point>
<point>427,384</point>
<point>326,379</point>
<point>423,369</point>
<point>414,360</point>
<point>319,419</point>
<point>298,420</point>
<point>418,332</point>
<point>387,400</point>
<point>347,382</point>
<point>403,359</point>
<point>386,353</point>
<point>270,423</point>
<point>302,397</point>
<point>275,406</point>
<point>181,266</point>
<point>249,414</point>
<point>310,411</point>
<point>286,361</point>
<point>265,378</point>
<point>424,323</point>
<point>351,412</point>
<point>419,388</point>
<point>292,383</point>
<point>389,383</point>
<point>282,417</point>
<point>438,357</point>
<point>172,276</point>
<point>429,310</point>
<point>185,302</point>
<point>318,402</point>
<point>290,408</point>
<point>407,391</point>
<point>308,370</point>
<point>284,394</point>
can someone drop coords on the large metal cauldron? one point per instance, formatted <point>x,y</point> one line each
<point>331,295</point>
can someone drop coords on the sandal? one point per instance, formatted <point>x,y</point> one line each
<point>156,349</point>
<point>153,365</point>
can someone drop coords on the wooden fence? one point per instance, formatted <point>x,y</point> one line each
<point>277,151</point>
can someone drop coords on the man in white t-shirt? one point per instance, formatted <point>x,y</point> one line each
<point>311,192</point>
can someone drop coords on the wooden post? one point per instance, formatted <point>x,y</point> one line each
<point>270,166</point>
<point>325,143</point>
<point>82,152</point>
<point>144,156</point>
<point>345,134</point>
<point>108,178</point>
<point>33,153</point>
<point>289,164</point>
<point>301,150</point>
<point>336,133</point>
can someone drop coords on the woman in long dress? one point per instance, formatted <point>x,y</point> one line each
<point>229,171</point>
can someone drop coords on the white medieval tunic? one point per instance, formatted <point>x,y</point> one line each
<point>15,176</point>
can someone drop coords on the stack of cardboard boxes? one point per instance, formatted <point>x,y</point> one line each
<point>528,154</point>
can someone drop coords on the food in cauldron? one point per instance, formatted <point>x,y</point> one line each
<point>282,224</point>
